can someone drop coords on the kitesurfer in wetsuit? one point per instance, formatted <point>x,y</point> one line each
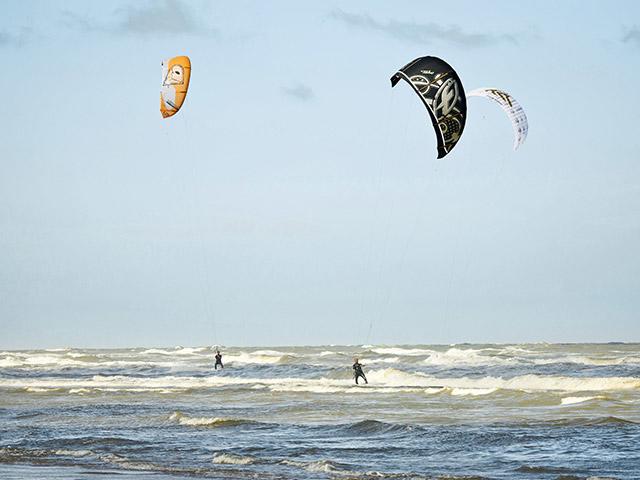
<point>218,360</point>
<point>357,371</point>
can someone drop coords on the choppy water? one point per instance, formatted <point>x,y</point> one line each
<point>466,411</point>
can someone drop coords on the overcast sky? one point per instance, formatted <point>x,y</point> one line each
<point>296,198</point>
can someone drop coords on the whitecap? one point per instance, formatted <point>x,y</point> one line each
<point>472,391</point>
<point>575,400</point>
<point>183,419</point>
<point>402,351</point>
<point>229,459</point>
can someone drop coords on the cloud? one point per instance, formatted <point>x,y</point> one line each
<point>73,20</point>
<point>167,16</point>
<point>632,36</point>
<point>299,92</point>
<point>15,39</point>
<point>423,33</point>
<point>158,17</point>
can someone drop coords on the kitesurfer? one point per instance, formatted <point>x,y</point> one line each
<point>218,360</point>
<point>357,371</point>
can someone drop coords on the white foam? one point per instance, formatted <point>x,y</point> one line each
<point>77,354</point>
<point>73,453</point>
<point>402,351</point>
<point>183,419</point>
<point>10,362</point>
<point>387,377</point>
<point>265,357</point>
<point>318,466</point>
<point>38,360</point>
<point>49,360</point>
<point>457,356</point>
<point>80,391</point>
<point>308,388</point>
<point>176,351</point>
<point>157,351</point>
<point>72,359</point>
<point>395,377</point>
<point>128,464</point>
<point>574,400</point>
<point>582,360</point>
<point>229,459</point>
<point>39,389</point>
<point>371,361</point>
<point>472,391</point>
<point>271,353</point>
<point>189,350</point>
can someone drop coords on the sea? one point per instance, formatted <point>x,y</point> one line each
<point>464,411</point>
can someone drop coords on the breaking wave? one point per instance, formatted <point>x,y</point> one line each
<point>182,419</point>
<point>264,357</point>
<point>230,459</point>
<point>575,400</point>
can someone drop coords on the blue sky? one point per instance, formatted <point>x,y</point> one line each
<point>296,197</point>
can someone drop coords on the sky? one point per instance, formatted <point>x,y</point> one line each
<point>296,198</point>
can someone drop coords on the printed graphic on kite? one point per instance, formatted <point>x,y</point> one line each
<point>440,89</point>
<point>176,73</point>
<point>511,107</point>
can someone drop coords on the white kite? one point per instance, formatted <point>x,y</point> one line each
<point>511,107</point>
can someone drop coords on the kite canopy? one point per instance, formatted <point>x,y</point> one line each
<point>440,89</point>
<point>511,107</point>
<point>176,73</point>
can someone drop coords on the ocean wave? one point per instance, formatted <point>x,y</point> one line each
<point>508,355</point>
<point>75,360</point>
<point>373,361</point>
<point>451,357</point>
<point>457,356</point>
<point>474,392</point>
<point>42,389</point>
<point>340,470</point>
<point>17,454</point>
<point>530,382</point>
<point>80,391</point>
<point>382,379</point>
<point>38,360</point>
<point>184,358</point>
<point>263,357</point>
<point>270,353</point>
<point>176,351</point>
<point>584,360</point>
<point>308,388</point>
<point>575,400</point>
<point>547,470</point>
<point>319,466</point>
<point>230,459</point>
<point>371,427</point>
<point>402,351</point>
<point>156,351</point>
<point>129,464</point>
<point>590,422</point>
<point>350,389</point>
<point>183,419</point>
<point>74,453</point>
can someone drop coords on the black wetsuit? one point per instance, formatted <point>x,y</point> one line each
<point>218,361</point>
<point>358,373</point>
